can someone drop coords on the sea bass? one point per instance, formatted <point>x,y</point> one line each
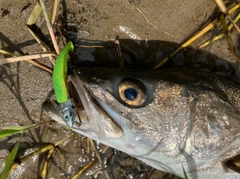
<point>169,118</point>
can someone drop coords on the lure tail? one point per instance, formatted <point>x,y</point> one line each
<point>60,85</point>
<point>60,74</point>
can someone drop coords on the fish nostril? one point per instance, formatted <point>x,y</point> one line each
<point>130,93</point>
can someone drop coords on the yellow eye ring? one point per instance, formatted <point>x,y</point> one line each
<point>132,93</point>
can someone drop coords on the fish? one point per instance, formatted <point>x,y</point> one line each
<point>171,119</point>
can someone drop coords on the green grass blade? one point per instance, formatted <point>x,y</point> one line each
<point>20,128</point>
<point>185,174</point>
<point>10,130</point>
<point>10,159</point>
<point>5,133</point>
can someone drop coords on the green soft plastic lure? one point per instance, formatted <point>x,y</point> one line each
<point>60,85</point>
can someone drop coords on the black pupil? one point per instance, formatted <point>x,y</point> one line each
<point>67,117</point>
<point>130,94</point>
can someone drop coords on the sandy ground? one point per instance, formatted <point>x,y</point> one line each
<point>147,29</point>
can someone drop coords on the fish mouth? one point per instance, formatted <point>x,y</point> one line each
<point>98,121</point>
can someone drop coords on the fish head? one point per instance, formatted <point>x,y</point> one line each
<point>167,118</point>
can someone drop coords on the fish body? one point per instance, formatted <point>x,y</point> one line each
<point>169,118</point>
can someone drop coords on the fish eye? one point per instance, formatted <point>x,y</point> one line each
<point>67,115</point>
<point>132,93</point>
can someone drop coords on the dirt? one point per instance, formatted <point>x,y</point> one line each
<point>148,30</point>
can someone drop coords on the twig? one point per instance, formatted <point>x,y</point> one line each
<point>25,57</point>
<point>37,152</point>
<point>83,169</point>
<point>224,10</point>
<point>54,11</point>
<point>145,17</point>
<point>230,26</point>
<point>188,42</point>
<point>98,154</point>
<point>7,53</point>
<point>87,166</point>
<point>49,25</point>
<point>34,62</point>
<point>42,66</point>
<point>226,31</point>
<point>49,147</point>
<point>234,8</point>
<point>91,46</point>
<point>119,53</point>
<point>61,141</point>
<point>221,6</point>
<point>234,24</point>
<point>41,43</point>
<point>46,163</point>
<point>34,15</point>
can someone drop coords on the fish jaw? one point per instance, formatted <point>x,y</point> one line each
<point>128,142</point>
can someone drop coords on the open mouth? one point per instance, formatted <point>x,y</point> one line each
<point>102,120</point>
<point>93,117</point>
